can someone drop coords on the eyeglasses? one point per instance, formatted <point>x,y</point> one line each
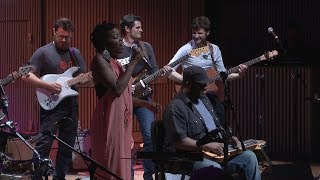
<point>60,37</point>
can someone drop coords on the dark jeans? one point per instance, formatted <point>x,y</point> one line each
<point>67,115</point>
<point>145,118</point>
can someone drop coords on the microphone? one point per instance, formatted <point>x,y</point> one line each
<point>212,136</point>
<point>138,50</point>
<point>278,41</point>
<point>270,31</point>
<point>106,55</point>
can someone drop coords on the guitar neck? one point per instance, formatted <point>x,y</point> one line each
<point>178,61</point>
<point>6,80</point>
<point>78,79</point>
<point>235,69</point>
<point>248,63</point>
<point>161,71</point>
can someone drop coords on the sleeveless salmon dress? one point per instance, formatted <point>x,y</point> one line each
<point>111,131</point>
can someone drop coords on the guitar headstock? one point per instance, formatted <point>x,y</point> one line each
<point>269,55</point>
<point>24,70</point>
<point>198,51</point>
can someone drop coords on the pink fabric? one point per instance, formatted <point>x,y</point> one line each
<point>111,131</point>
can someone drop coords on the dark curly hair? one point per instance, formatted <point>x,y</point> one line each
<point>201,22</point>
<point>99,35</point>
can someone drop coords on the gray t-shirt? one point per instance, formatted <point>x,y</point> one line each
<point>49,61</point>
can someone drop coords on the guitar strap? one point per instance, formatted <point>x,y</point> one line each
<point>212,55</point>
<point>74,57</point>
<point>144,51</point>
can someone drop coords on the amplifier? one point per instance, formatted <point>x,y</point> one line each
<point>83,145</point>
<point>17,150</point>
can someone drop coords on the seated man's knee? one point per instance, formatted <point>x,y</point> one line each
<point>249,154</point>
<point>205,163</point>
<point>210,172</point>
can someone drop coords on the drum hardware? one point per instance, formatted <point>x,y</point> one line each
<point>20,166</point>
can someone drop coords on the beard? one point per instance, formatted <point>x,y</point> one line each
<point>62,46</point>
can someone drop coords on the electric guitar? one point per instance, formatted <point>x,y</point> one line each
<point>141,86</point>
<point>215,76</point>
<point>23,71</point>
<point>249,144</point>
<point>49,101</point>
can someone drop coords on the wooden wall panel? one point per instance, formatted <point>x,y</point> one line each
<point>20,35</point>
<point>157,25</point>
<point>166,26</point>
<point>85,15</point>
<point>281,96</point>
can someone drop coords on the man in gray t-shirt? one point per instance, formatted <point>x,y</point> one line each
<point>55,58</point>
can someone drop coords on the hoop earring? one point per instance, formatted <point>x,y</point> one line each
<point>106,55</point>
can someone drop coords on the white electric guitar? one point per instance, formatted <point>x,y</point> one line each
<point>47,100</point>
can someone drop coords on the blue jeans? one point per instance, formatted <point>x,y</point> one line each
<point>247,161</point>
<point>145,118</point>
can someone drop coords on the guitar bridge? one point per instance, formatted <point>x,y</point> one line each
<point>143,92</point>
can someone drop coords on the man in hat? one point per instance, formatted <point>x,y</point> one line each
<point>188,118</point>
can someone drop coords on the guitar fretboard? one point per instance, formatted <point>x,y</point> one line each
<point>6,80</point>
<point>161,71</point>
<point>78,79</point>
<point>235,69</point>
<point>194,52</point>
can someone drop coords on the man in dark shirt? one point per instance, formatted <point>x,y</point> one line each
<point>189,117</point>
<point>132,29</point>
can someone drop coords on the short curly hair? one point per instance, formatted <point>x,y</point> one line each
<point>201,22</point>
<point>64,23</point>
<point>99,35</point>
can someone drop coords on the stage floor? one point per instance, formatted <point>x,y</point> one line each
<point>138,171</point>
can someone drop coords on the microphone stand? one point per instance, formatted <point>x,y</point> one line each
<point>93,164</point>
<point>228,104</point>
